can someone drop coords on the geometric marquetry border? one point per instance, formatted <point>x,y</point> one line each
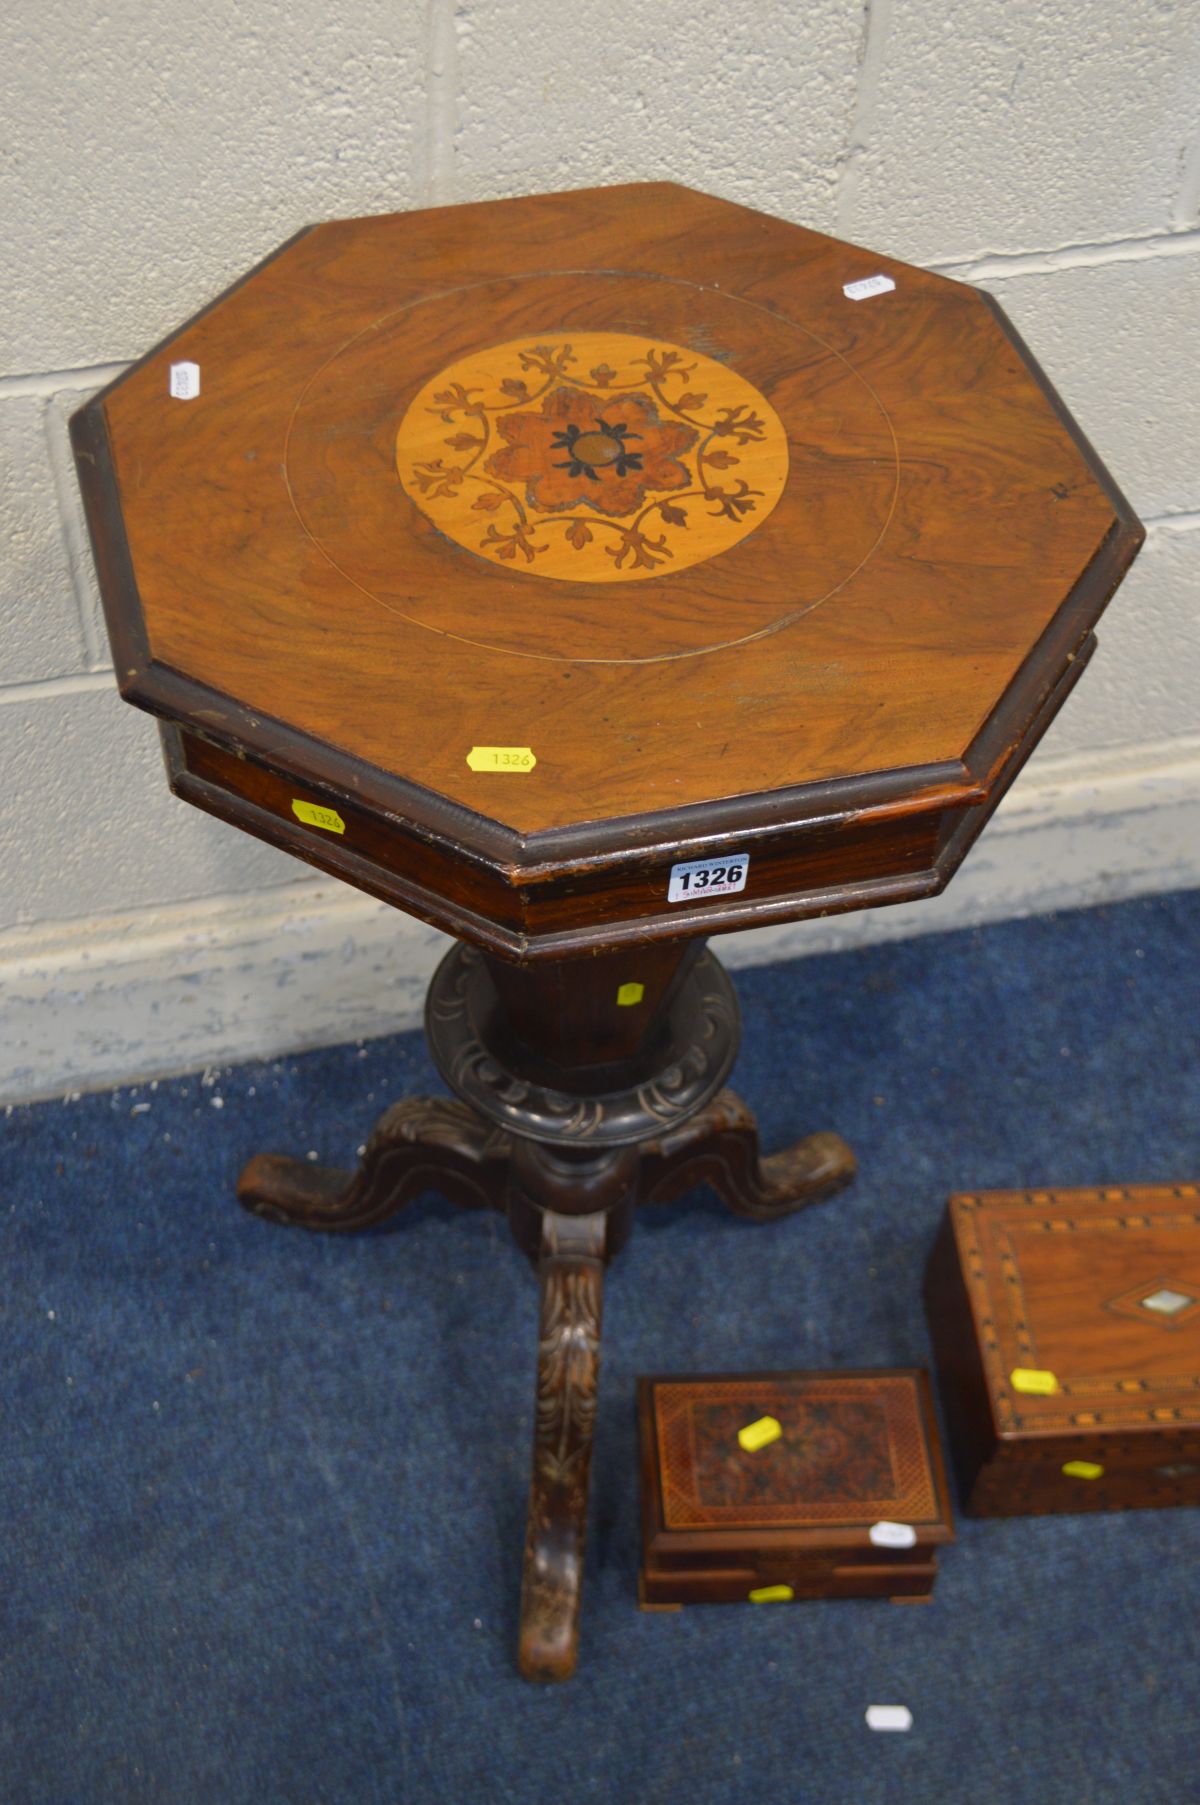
<point>1125,1402</point>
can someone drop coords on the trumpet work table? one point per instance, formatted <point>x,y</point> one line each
<point>590,574</point>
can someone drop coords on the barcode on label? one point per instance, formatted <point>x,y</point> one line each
<point>184,381</point>
<point>702,878</point>
<point>866,286</point>
<point>893,1535</point>
<point>889,1717</point>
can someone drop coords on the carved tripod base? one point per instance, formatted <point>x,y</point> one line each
<point>569,1196</point>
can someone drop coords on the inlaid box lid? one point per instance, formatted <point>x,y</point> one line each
<point>852,1463</point>
<point>1086,1306</point>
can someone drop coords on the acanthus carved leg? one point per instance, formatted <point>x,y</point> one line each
<point>719,1146</point>
<point>571,1276</point>
<point>422,1144</point>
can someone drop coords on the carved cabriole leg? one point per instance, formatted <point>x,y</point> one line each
<point>571,1278</point>
<point>719,1146</point>
<point>423,1144</point>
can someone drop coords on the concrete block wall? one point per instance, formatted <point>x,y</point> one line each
<point>1047,150</point>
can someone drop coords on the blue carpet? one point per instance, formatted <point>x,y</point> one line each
<point>263,1492</point>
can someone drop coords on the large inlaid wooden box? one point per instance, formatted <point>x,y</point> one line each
<point>849,1500</point>
<point>1066,1326</point>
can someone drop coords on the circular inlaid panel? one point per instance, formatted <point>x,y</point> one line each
<point>596,459</point>
<point>612,468</point>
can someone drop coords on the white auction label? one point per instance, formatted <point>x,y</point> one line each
<point>866,286</point>
<point>702,878</point>
<point>889,1717</point>
<point>185,381</point>
<point>893,1535</point>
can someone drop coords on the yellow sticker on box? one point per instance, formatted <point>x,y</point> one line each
<point>759,1434</point>
<point>1034,1381</point>
<point>771,1594</point>
<point>511,759</point>
<point>629,993</point>
<point>315,814</point>
<point>1083,1469</point>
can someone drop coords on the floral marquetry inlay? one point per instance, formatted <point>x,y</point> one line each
<point>592,458</point>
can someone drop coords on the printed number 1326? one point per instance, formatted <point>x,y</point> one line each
<point>710,874</point>
<point>700,877</point>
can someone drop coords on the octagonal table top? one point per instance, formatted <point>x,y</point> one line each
<point>536,522</point>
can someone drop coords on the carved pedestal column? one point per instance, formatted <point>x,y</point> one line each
<point>582,1091</point>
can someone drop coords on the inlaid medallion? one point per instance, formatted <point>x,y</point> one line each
<point>597,431</point>
<point>596,457</point>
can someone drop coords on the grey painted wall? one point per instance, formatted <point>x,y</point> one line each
<point>1047,149</point>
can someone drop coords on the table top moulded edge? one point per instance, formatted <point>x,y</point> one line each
<point>513,864</point>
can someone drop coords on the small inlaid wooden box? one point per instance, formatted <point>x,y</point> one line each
<point>848,1501</point>
<point>1066,1326</point>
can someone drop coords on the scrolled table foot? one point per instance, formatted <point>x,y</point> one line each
<point>719,1146</point>
<point>421,1144</point>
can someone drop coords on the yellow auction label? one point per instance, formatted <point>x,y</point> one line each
<point>771,1594</point>
<point>1034,1382</point>
<point>1083,1469</point>
<point>628,994</point>
<point>759,1435</point>
<point>313,815</point>
<point>501,758</point>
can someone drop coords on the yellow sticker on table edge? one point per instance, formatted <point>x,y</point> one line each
<point>759,1434</point>
<point>630,993</point>
<point>508,759</point>
<point>1083,1469</point>
<point>771,1595</point>
<point>314,814</point>
<point>1034,1382</point>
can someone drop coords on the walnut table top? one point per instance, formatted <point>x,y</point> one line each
<point>552,543</point>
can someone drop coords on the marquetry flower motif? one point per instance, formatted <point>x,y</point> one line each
<point>592,451</point>
<point>595,460</point>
